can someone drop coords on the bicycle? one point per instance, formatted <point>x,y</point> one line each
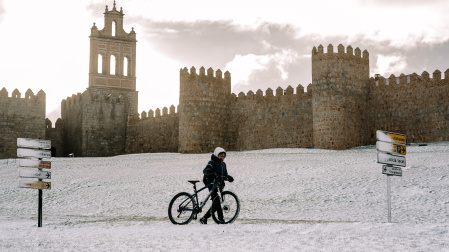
<point>184,206</point>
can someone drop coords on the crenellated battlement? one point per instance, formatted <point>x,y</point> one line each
<point>186,75</point>
<point>350,52</point>
<point>29,95</point>
<point>279,94</point>
<point>413,80</point>
<point>157,114</point>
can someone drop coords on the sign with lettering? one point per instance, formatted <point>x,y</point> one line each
<point>35,185</point>
<point>391,148</point>
<point>34,163</point>
<point>390,137</point>
<point>33,143</point>
<point>386,158</point>
<point>33,153</point>
<point>34,174</point>
<point>391,170</point>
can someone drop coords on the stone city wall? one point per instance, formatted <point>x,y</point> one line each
<point>414,105</point>
<point>20,118</point>
<point>153,132</point>
<point>283,120</point>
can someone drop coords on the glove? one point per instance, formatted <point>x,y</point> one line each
<point>230,178</point>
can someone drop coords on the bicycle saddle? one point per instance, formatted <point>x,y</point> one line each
<point>193,181</point>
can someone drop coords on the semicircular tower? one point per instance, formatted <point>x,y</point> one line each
<point>340,94</point>
<point>203,110</point>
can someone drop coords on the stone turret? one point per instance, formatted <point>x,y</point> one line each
<point>340,89</point>
<point>203,110</point>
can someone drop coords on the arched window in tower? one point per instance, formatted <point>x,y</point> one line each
<point>100,64</point>
<point>125,66</point>
<point>113,28</point>
<point>112,66</point>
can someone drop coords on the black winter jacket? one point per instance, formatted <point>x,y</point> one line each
<point>215,165</point>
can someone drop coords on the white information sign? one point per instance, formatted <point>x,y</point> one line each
<point>385,158</point>
<point>33,143</point>
<point>34,174</point>
<point>391,170</point>
<point>33,153</point>
<point>34,163</point>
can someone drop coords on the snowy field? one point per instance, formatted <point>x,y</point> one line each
<point>291,200</point>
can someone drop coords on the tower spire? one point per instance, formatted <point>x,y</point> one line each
<point>113,8</point>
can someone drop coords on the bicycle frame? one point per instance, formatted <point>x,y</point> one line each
<point>199,207</point>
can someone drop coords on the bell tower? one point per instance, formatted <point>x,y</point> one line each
<point>112,53</point>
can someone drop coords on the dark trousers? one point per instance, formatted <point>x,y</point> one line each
<point>219,211</point>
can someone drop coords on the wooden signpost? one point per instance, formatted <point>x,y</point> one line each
<point>391,151</point>
<point>34,150</point>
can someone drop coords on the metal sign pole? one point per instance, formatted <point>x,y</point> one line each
<point>39,213</point>
<point>389,198</point>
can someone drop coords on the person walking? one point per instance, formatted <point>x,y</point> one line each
<point>215,167</point>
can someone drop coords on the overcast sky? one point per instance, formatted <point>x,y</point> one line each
<point>263,44</point>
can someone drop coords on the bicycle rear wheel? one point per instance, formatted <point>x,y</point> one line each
<point>229,206</point>
<point>181,208</point>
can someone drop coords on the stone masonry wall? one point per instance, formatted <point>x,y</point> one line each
<point>153,133</point>
<point>417,106</point>
<point>20,118</point>
<point>281,121</point>
<point>95,122</point>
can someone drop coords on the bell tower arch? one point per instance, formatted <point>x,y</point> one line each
<point>116,49</point>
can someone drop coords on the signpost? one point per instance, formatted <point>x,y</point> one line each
<point>34,150</point>
<point>391,151</point>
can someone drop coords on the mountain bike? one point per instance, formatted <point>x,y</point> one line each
<point>184,206</point>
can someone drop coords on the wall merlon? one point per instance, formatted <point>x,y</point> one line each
<point>341,49</point>
<point>279,92</point>
<point>289,90</point>
<point>437,75</point>
<point>300,89</point>
<point>165,110</point>
<point>210,72</point>
<point>3,93</point>
<point>202,71</point>
<point>269,93</point>
<point>29,94</point>
<point>330,49</point>
<point>158,112</point>
<point>350,51</point>
<point>15,94</point>
<point>358,52</point>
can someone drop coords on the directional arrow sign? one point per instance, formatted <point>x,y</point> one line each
<point>385,158</point>
<point>390,137</point>
<point>33,153</point>
<point>34,163</point>
<point>35,185</point>
<point>33,143</point>
<point>391,170</point>
<point>391,148</point>
<point>35,174</point>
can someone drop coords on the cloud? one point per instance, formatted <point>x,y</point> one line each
<point>2,10</point>
<point>390,64</point>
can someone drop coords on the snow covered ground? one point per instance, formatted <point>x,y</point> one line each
<point>291,200</point>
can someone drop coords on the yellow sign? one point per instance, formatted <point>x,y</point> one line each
<point>35,185</point>
<point>391,148</point>
<point>390,137</point>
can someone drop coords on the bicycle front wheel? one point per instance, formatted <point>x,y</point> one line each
<point>181,208</point>
<point>228,207</point>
